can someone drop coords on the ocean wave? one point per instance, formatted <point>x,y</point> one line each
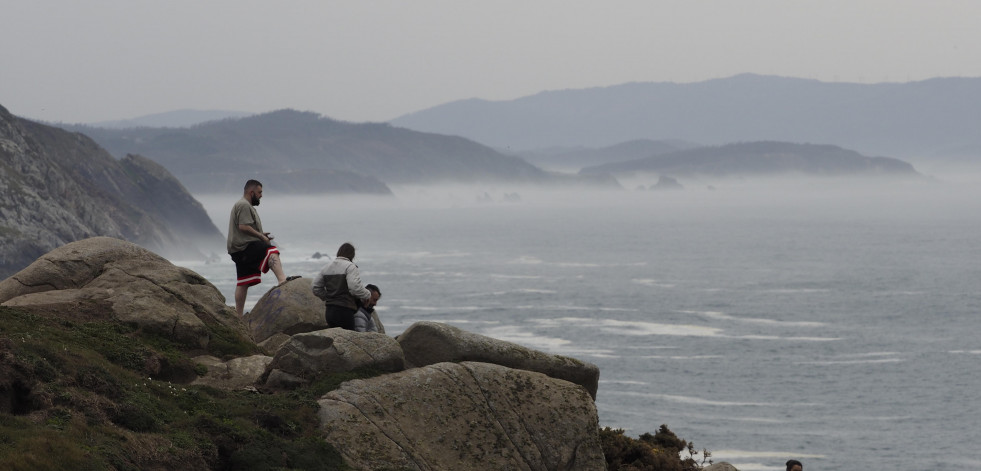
<point>753,320</point>
<point>554,345</point>
<point>444,308</point>
<point>510,291</point>
<point>467,321</point>
<point>794,290</point>
<point>516,277</point>
<point>691,400</point>
<point>426,254</point>
<point>529,260</point>
<point>568,307</point>
<point>729,453</point>
<point>637,328</point>
<point>851,362</point>
<point>781,337</point>
<point>624,381</point>
<point>652,282</point>
<point>680,357</point>
<point>968,352</point>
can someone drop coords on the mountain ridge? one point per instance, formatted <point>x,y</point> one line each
<point>361,157</point>
<point>922,119</point>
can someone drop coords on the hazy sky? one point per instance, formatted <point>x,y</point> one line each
<point>363,60</point>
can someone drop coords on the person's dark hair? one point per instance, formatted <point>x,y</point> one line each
<point>371,287</point>
<point>346,250</point>
<point>792,463</point>
<point>252,184</point>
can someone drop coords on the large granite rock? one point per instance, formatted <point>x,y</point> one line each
<point>130,284</point>
<point>463,416</point>
<point>237,373</point>
<point>720,466</point>
<point>58,187</point>
<point>309,355</point>
<point>426,343</point>
<point>290,308</point>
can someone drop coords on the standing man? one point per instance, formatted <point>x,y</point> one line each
<point>794,465</point>
<point>339,285</point>
<point>250,248</point>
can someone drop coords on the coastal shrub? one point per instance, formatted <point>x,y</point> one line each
<point>658,452</point>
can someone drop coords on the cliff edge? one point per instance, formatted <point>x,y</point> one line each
<point>58,187</point>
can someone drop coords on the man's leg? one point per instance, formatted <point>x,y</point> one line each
<point>277,268</point>
<point>240,293</point>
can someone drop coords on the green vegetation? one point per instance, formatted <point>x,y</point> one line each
<point>658,452</point>
<point>78,395</point>
<point>99,395</point>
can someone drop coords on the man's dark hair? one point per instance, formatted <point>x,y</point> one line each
<point>346,250</point>
<point>792,463</point>
<point>252,184</point>
<point>371,287</point>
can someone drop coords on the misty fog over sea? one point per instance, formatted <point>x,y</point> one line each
<point>831,321</point>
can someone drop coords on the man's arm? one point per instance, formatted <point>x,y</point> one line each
<point>354,284</point>
<point>254,233</point>
<point>319,290</point>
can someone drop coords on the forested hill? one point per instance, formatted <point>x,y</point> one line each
<point>761,158</point>
<point>315,152</point>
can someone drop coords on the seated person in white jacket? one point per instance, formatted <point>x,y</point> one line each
<point>364,320</point>
<point>339,285</point>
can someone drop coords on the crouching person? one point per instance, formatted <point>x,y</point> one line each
<point>364,319</point>
<point>339,285</point>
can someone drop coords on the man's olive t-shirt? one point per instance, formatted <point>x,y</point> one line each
<point>242,213</point>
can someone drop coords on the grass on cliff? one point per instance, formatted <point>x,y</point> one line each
<point>79,394</point>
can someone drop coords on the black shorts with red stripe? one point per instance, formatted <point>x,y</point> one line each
<point>252,262</point>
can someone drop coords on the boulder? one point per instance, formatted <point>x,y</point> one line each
<point>236,373</point>
<point>273,344</point>
<point>426,343</point>
<point>463,416</point>
<point>289,308</point>
<point>312,354</point>
<point>720,466</point>
<point>127,283</point>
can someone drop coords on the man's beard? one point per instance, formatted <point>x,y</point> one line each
<point>255,200</point>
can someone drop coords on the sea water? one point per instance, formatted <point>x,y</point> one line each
<point>836,325</point>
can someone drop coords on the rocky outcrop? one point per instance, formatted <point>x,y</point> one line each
<point>720,466</point>
<point>665,182</point>
<point>237,373</point>
<point>463,416</point>
<point>103,276</point>
<point>58,187</point>
<point>309,355</point>
<point>427,343</point>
